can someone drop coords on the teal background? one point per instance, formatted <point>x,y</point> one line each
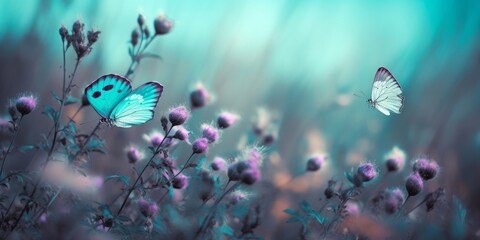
<point>303,60</point>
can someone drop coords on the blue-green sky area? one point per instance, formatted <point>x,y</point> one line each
<point>303,60</point>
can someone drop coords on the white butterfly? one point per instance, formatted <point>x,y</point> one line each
<point>386,93</point>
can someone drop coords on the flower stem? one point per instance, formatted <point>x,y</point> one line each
<point>4,160</point>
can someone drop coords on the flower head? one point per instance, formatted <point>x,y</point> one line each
<point>199,97</point>
<point>178,115</point>
<point>427,169</point>
<point>200,145</point>
<point>181,134</point>
<point>135,36</point>
<point>236,197</point>
<point>180,182</point>
<point>366,172</point>
<point>315,163</point>
<point>351,209</point>
<point>141,19</point>
<point>134,155</point>
<point>162,25</point>
<point>147,207</point>
<point>226,119</point>
<point>26,104</point>
<point>218,163</point>
<point>432,198</point>
<point>210,132</point>
<point>394,199</point>
<point>414,184</point>
<point>395,160</point>
<point>330,190</point>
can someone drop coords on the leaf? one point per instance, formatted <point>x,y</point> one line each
<point>291,212</point>
<point>120,178</point>
<point>50,112</point>
<point>25,148</point>
<point>458,224</point>
<point>58,98</point>
<point>150,55</point>
<point>307,209</point>
<point>71,100</point>
<point>226,230</point>
<point>170,191</point>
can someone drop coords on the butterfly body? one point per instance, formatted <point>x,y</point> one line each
<point>113,99</point>
<point>386,93</point>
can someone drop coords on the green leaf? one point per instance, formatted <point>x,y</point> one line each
<point>71,100</point>
<point>58,98</point>
<point>291,212</point>
<point>307,209</point>
<point>458,224</point>
<point>120,178</point>
<point>25,148</point>
<point>50,112</point>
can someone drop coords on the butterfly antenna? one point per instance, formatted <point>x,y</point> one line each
<point>87,122</point>
<point>365,95</point>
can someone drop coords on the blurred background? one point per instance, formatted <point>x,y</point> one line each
<point>301,61</point>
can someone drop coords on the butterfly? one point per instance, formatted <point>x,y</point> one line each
<point>112,97</point>
<point>386,93</point>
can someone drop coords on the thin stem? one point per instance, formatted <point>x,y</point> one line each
<point>183,168</point>
<point>416,206</point>
<point>157,151</point>
<point>17,126</point>
<point>135,58</point>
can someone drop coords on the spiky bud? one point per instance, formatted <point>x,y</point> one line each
<point>226,119</point>
<point>162,25</point>
<point>414,184</point>
<point>200,145</point>
<point>315,163</point>
<point>209,132</point>
<point>25,104</point>
<point>180,182</point>
<point>178,115</point>
<point>427,169</point>
<point>366,172</point>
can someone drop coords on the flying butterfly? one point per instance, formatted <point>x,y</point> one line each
<point>386,93</point>
<point>112,97</point>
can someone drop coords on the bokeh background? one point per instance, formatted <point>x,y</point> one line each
<point>302,61</point>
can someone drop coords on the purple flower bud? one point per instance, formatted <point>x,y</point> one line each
<point>226,119</point>
<point>366,172</point>
<point>236,169</point>
<point>427,169</point>
<point>199,97</point>
<point>135,36</point>
<point>140,20</point>
<point>147,208</point>
<point>395,160</point>
<point>393,200</point>
<point>133,155</point>
<point>77,26</point>
<point>178,115</point>
<point>392,164</point>
<point>156,139</point>
<point>200,145</point>
<point>92,36</point>
<point>414,184</point>
<point>250,176</point>
<point>181,134</point>
<point>180,182</point>
<point>43,218</point>
<point>63,32</point>
<point>26,104</point>
<point>162,25</point>
<point>315,163</point>
<point>351,209</point>
<point>218,163</point>
<point>236,197</point>
<point>209,132</point>
<point>268,139</point>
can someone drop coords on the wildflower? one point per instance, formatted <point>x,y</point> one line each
<point>178,115</point>
<point>181,134</point>
<point>207,186</point>
<point>135,36</point>
<point>92,36</point>
<point>351,209</point>
<point>162,25</point>
<point>330,190</point>
<point>250,175</point>
<point>209,132</point>
<point>366,172</point>
<point>147,208</point>
<point>199,97</point>
<point>393,200</point>
<point>315,163</point>
<point>141,20</point>
<point>414,184</point>
<point>26,104</point>
<point>432,198</point>
<point>77,26</point>
<point>427,169</point>
<point>235,169</point>
<point>63,32</point>
<point>200,145</point>
<point>395,160</point>
<point>226,119</point>
<point>268,139</point>
<point>246,170</point>
<point>180,182</point>
<point>43,218</point>
<point>155,138</point>
<point>218,163</point>
<point>12,111</point>
<point>236,197</point>
<point>133,155</point>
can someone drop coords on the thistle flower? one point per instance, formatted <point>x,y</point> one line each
<point>247,170</point>
<point>147,208</point>
<point>199,97</point>
<point>78,26</point>
<point>12,111</point>
<point>63,32</point>
<point>218,163</point>
<point>140,20</point>
<point>351,209</point>
<point>209,132</point>
<point>251,175</point>
<point>92,36</point>
<point>414,184</point>
<point>180,182</point>
<point>226,119</point>
<point>135,36</point>
<point>26,104</point>
<point>133,155</point>
<point>315,163</point>
<point>427,169</point>
<point>393,200</point>
<point>366,172</point>
<point>181,134</point>
<point>200,145</point>
<point>395,160</point>
<point>236,197</point>
<point>162,25</point>
<point>178,115</point>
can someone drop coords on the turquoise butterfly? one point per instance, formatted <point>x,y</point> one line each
<point>112,97</point>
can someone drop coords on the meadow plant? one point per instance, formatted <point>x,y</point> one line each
<point>175,189</point>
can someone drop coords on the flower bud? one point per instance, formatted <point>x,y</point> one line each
<point>236,169</point>
<point>180,182</point>
<point>146,32</point>
<point>199,97</point>
<point>200,145</point>
<point>392,165</point>
<point>133,155</point>
<point>427,169</point>
<point>395,160</point>
<point>393,200</point>
<point>250,176</point>
<point>93,36</point>
<point>12,111</point>
<point>63,32</point>
<point>218,163</point>
<point>330,190</point>
<point>178,115</point>
<point>226,119</point>
<point>140,20</point>
<point>351,209</point>
<point>77,27</point>
<point>181,134</point>
<point>26,104</point>
<point>162,25</point>
<point>414,184</point>
<point>135,36</point>
<point>236,197</point>
<point>315,163</point>
<point>366,172</point>
<point>209,132</point>
<point>147,208</point>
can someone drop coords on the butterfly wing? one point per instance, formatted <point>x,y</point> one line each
<point>137,107</point>
<point>106,92</point>
<point>386,92</point>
